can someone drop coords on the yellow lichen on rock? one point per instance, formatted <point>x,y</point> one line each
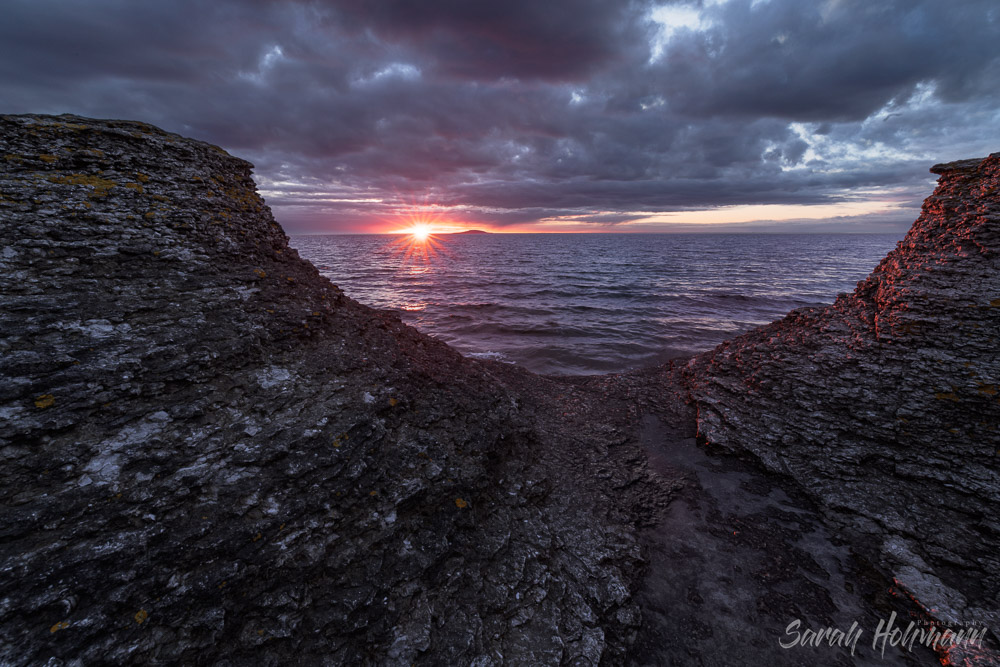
<point>141,616</point>
<point>61,625</point>
<point>45,401</point>
<point>461,504</point>
<point>101,185</point>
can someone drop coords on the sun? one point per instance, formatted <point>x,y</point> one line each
<point>420,231</point>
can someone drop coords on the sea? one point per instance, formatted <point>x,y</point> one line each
<point>579,304</point>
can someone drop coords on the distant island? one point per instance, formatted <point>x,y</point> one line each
<point>471,231</point>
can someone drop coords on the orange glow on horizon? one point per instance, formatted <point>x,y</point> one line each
<point>419,249</point>
<point>424,220</point>
<point>421,223</point>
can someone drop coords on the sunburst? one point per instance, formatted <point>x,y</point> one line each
<point>421,231</point>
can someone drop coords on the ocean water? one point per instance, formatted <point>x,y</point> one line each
<point>576,304</point>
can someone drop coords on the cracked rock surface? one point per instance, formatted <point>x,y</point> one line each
<point>885,406</point>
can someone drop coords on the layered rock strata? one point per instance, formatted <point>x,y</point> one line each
<point>885,405</point>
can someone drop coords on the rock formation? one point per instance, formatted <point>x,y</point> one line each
<point>884,406</point>
<point>209,454</point>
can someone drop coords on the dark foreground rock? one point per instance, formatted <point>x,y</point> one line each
<point>884,406</point>
<point>210,455</point>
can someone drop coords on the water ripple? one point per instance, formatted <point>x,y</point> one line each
<point>594,303</point>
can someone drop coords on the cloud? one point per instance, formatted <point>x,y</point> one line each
<point>832,61</point>
<point>508,113</point>
<point>522,39</point>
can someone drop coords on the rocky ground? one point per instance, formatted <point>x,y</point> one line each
<point>884,406</point>
<point>211,455</point>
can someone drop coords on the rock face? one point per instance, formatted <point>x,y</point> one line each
<point>885,407</point>
<point>208,454</point>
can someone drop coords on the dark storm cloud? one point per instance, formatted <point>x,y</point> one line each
<point>518,111</point>
<point>526,39</point>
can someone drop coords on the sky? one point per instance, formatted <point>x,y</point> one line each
<point>529,115</point>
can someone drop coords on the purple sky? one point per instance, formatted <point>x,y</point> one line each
<point>529,115</point>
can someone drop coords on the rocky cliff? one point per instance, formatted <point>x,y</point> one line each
<point>885,407</point>
<point>208,454</point>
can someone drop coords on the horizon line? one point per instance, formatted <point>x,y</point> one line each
<point>685,231</point>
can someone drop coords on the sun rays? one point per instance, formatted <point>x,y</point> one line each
<point>419,246</point>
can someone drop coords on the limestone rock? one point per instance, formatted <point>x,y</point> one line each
<point>209,454</point>
<point>885,406</point>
